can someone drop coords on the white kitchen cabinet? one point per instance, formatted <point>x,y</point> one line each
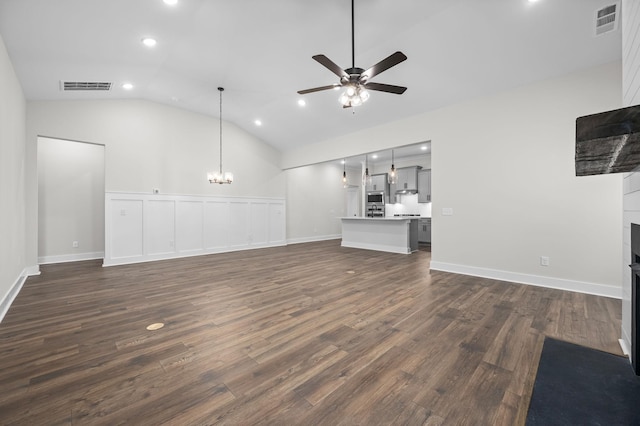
<point>424,230</point>
<point>424,186</point>
<point>378,183</point>
<point>407,179</point>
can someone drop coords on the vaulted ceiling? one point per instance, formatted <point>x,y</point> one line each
<point>260,51</point>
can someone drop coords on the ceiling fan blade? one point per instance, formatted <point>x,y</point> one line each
<point>331,66</point>
<point>317,89</point>
<point>380,87</point>
<point>385,64</point>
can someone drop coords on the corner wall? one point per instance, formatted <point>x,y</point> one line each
<point>13,265</point>
<point>631,184</point>
<point>316,200</point>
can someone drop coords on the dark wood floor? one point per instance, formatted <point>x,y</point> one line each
<point>309,334</point>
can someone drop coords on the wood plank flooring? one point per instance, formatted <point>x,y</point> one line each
<point>309,334</point>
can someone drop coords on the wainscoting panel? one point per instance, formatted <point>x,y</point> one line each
<point>238,224</point>
<point>277,223</point>
<point>145,227</point>
<point>160,232</point>
<point>124,218</point>
<point>259,234</point>
<point>216,225</point>
<point>190,226</point>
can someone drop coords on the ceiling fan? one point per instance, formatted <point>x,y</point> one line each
<point>356,80</point>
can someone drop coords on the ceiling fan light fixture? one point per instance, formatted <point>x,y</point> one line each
<point>355,79</point>
<point>354,95</point>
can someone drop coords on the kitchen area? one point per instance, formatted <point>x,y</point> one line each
<point>396,203</point>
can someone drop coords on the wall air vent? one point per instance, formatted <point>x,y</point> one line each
<point>607,19</point>
<point>85,85</point>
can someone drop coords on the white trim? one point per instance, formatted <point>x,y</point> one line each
<point>70,257</point>
<point>377,247</point>
<point>313,239</point>
<point>8,298</point>
<point>537,280</point>
<point>178,255</point>
<point>625,348</point>
<point>31,271</point>
<point>173,196</point>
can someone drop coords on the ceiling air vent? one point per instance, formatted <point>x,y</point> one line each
<point>85,85</point>
<point>607,19</point>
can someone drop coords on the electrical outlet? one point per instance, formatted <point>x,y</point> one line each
<point>74,244</point>
<point>544,260</point>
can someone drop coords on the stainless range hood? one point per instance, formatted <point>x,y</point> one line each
<point>608,142</point>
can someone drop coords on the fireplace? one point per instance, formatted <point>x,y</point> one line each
<point>635,296</point>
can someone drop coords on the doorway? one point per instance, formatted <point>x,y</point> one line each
<point>353,201</point>
<point>71,188</point>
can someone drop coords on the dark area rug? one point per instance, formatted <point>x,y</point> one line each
<point>576,385</point>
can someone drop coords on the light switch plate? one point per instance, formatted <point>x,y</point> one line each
<point>447,211</point>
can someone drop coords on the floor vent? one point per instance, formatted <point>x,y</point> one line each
<point>85,85</point>
<point>607,19</point>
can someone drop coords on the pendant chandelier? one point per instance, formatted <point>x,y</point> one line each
<point>366,178</point>
<point>393,176</point>
<point>344,174</point>
<point>220,176</point>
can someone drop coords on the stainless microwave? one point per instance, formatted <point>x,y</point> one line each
<point>376,197</point>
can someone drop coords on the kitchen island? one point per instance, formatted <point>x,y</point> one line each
<point>390,234</point>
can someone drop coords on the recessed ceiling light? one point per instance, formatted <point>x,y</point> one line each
<point>127,86</point>
<point>258,123</point>
<point>171,2</point>
<point>149,42</point>
<point>424,148</point>
<point>302,102</point>
<point>374,156</point>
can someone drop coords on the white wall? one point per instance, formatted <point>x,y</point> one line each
<point>149,145</point>
<point>631,184</point>
<point>13,264</point>
<point>70,200</point>
<point>505,164</point>
<point>316,199</point>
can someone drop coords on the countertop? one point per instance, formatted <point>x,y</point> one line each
<point>393,218</point>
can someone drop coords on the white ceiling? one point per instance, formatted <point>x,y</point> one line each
<point>260,51</point>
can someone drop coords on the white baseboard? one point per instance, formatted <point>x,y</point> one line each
<point>31,271</point>
<point>376,247</point>
<point>44,260</point>
<point>624,347</point>
<point>313,239</point>
<point>537,280</point>
<point>8,298</point>
<point>178,255</point>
